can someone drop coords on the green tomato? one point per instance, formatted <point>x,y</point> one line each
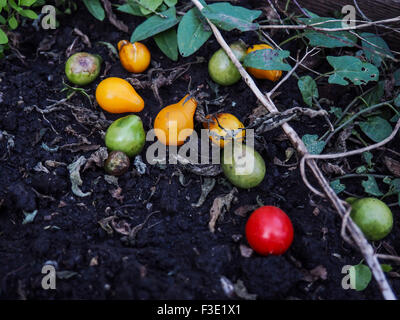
<point>221,68</point>
<point>372,216</point>
<point>82,68</point>
<point>242,165</point>
<point>117,163</point>
<point>127,135</point>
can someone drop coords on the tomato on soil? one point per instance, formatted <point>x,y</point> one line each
<point>269,231</point>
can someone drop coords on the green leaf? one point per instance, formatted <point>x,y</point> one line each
<point>131,8</point>
<point>360,276</point>
<point>2,20</point>
<point>371,187</point>
<point>13,23</point>
<point>396,76</point>
<point>367,156</point>
<point>372,53</point>
<point>152,5</point>
<point>267,59</point>
<point>328,39</point>
<point>386,267</point>
<point>337,186</point>
<point>95,8</point>
<point>376,128</point>
<point>228,17</point>
<point>154,25</point>
<point>29,14</point>
<point>397,101</point>
<point>168,44</point>
<point>352,69</point>
<point>336,111</point>
<point>3,37</point>
<point>192,32</point>
<point>313,145</point>
<point>3,3</point>
<point>361,169</point>
<point>308,89</point>
<point>170,3</point>
<point>27,3</point>
<point>375,96</point>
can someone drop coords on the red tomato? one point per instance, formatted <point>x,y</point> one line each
<point>269,231</point>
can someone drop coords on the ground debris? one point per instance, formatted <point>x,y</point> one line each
<point>206,187</point>
<point>241,291</point>
<point>318,273</point>
<point>392,165</point>
<point>97,158</point>
<point>244,210</point>
<point>245,251</point>
<point>220,205</point>
<point>75,177</point>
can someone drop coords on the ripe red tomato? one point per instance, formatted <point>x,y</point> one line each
<point>269,231</point>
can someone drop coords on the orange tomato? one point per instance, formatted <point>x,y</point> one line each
<point>116,95</point>
<point>272,75</point>
<point>174,123</point>
<point>134,57</point>
<point>222,129</point>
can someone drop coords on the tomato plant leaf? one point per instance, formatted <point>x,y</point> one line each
<point>131,8</point>
<point>192,32</point>
<point>371,186</point>
<point>313,145</point>
<point>13,23</point>
<point>95,8</point>
<point>149,6</point>
<point>170,3</point>
<point>3,37</point>
<point>29,14</point>
<point>337,186</point>
<point>397,101</point>
<point>267,59</point>
<point>396,76</point>
<point>360,277</point>
<point>386,267</point>
<point>167,42</point>
<point>154,25</point>
<point>338,112</point>
<point>375,96</point>
<point>367,157</point>
<point>376,128</point>
<point>328,39</point>
<point>375,48</point>
<point>308,88</point>
<point>27,3</point>
<point>352,69</point>
<point>228,17</point>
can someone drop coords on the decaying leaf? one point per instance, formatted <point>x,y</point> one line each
<point>220,205</point>
<point>241,291</point>
<point>105,224</point>
<point>245,251</point>
<point>139,165</point>
<point>206,187</point>
<point>227,286</point>
<point>40,168</point>
<point>116,194</point>
<point>207,170</point>
<point>97,158</point>
<point>331,168</point>
<point>111,180</point>
<point>244,210</point>
<point>392,165</point>
<point>113,18</point>
<point>318,273</point>
<point>75,177</point>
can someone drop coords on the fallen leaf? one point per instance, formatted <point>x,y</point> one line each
<point>244,210</point>
<point>245,251</point>
<point>75,177</point>
<point>116,194</point>
<point>241,291</point>
<point>220,205</point>
<point>97,158</point>
<point>392,165</point>
<point>206,187</point>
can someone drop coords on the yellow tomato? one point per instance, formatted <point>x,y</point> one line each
<point>224,128</point>
<point>116,95</point>
<point>134,57</point>
<point>273,75</point>
<point>174,123</point>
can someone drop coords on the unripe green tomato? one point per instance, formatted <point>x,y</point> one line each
<point>117,163</point>
<point>372,216</point>
<point>242,165</point>
<point>221,68</point>
<point>82,68</point>
<point>127,135</point>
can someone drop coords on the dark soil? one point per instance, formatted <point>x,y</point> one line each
<point>175,256</point>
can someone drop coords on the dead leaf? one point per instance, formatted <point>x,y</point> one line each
<point>220,205</point>
<point>112,17</point>
<point>121,227</point>
<point>227,286</point>
<point>84,37</point>
<point>116,194</point>
<point>206,187</point>
<point>75,177</point>
<point>318,273</point>
<point>245,251</point>
<point>97,158</point>
<point>241,291</point>
<point>105,224</point>
<point>244,210</point>
<point>392,165</point>
<point>94,261</point>
<point>330,168</point>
